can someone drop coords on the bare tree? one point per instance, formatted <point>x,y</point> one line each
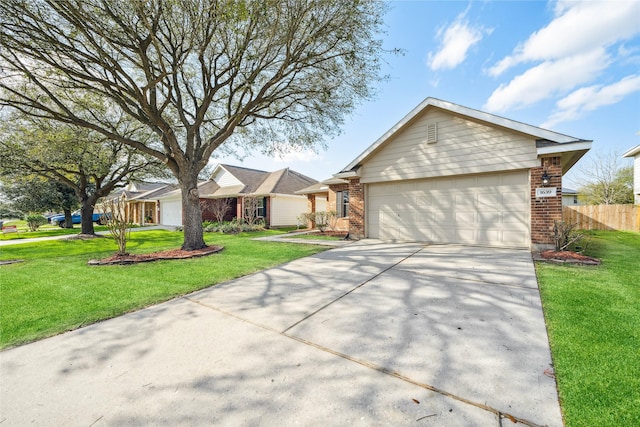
<point>269,75</point>
<point>251,206</point>
<point>219,208</point>
<point>606,180</point>
<point>118,225</point>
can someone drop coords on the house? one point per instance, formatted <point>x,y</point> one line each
<point>142,205</point>
<point>570,197</point>
<point>451,174</point>
<point>635,154</point>
<point>271,194</point>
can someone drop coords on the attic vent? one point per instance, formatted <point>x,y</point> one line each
<point>432,133</point>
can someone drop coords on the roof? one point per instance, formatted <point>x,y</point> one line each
<point>321,187</point>
<point>257,182</point>
<point>141,190</point>
<point>632,152</point>
<point>568,191</point>
<point>548,142</point>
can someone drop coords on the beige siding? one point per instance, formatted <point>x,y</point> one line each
<point>636,178</point>
<point>225,179</point>
<point>321,204</point>
<point>286,209</point>
<point>463,147</point>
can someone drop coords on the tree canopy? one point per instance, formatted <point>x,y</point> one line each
<point>266,75</point>
<point>607,181</point>
<point>78,158</point>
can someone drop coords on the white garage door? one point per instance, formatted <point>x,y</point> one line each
<point>490,209</point>
<point>171,212</point>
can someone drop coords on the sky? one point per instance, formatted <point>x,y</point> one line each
<point>569,66</point>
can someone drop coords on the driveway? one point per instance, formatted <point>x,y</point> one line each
<point>365,334</point>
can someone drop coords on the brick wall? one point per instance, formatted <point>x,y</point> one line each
<point>544,210</point>
<point>356,209</point>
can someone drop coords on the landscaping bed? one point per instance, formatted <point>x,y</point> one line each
<point>567,257</point>
<point>156,256</point>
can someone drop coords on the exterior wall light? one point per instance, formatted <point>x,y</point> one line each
<point>546,179</point>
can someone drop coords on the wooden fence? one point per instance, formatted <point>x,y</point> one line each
<point>603,217</point>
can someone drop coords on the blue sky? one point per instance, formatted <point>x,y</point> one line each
<point>569,66</point>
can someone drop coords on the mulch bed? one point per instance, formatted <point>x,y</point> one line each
<point>156,256</point>
<point>568,257</point>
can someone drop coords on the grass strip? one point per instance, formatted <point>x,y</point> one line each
<point>54,290</point>
<point>593,319</point>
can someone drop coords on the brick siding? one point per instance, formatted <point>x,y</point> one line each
<point>544,210</point>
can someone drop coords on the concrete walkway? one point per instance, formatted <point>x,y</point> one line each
<point>66,236</point>
<point>366,334</point>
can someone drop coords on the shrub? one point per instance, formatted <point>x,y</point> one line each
<point>119,227</point>
<point>34,221</point>
<point>565,236</point>
<point>232,227</point>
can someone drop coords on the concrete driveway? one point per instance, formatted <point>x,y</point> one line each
<point>366,334</point>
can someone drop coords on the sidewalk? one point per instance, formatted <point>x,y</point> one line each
<point>66,236</point>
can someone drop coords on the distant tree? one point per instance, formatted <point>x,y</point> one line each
<point>31,193</point>
<point>270,75</point>
<point>79,158</point>
<point>607,182</point>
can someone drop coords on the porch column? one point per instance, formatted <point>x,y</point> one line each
<point>311,203</point>
<point>356,209</point>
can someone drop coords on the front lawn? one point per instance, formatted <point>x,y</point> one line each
<point>55,290</point>
<point>593,318</point>
<point>45,230</point>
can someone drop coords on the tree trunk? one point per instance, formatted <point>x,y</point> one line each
<point>191,214</point>
<point>86,216</point>
<point>68,222</point>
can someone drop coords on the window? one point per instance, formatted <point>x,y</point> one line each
<point>257,205</point>
<point>342,204</point>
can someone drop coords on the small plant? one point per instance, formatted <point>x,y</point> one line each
<point>321,220</point>
<point>332,220</point>
<point>117,224</point>
<point>565,235</point>
<point>34,221</point>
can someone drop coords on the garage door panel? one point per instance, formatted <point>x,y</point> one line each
<point>484,209</point>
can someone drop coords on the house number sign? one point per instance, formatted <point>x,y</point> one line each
<point>546,192</point>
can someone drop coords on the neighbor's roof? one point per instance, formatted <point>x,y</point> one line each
<point>632,152</point>
<point>257,182</point>
<point>321,187</point>
<point>548,141</point>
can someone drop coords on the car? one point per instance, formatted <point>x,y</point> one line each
<point>98,218</point>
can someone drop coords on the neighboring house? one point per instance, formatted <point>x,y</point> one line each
<point>274,193</point>
<point>570,197</point>
<point>451,174</point>
<point>142,205</point>
<point>635,154</point>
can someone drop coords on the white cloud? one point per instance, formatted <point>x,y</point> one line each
<point>578,26</point>
<point>455,42</point>
<point>591,98</point>
<point>548,79</point>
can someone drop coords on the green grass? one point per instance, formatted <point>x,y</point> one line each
<point>43,231</point>
<point>593,318</point>
<point>55,290</point>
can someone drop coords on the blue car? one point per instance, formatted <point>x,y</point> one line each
<point>98,218</point>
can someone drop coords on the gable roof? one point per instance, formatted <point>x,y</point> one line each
<point>632,152</point>
<point>548,142</point>
<point>142,190</point>
<point>253,181</point>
